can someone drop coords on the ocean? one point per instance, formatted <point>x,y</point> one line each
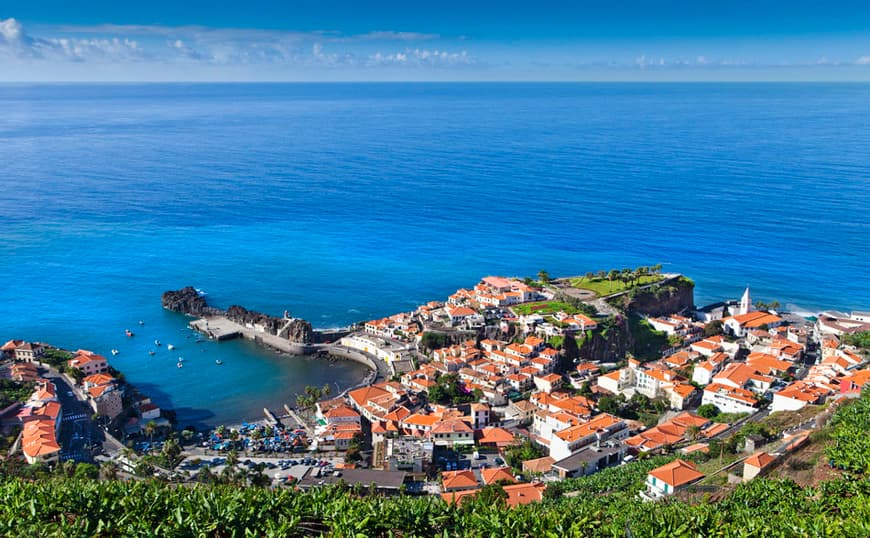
<point>345,202</point>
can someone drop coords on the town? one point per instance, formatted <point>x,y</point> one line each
<point>517,384</point>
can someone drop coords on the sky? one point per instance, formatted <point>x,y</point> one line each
<point>445,40</point>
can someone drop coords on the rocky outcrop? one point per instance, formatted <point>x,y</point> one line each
<point>675,296</point>
<point>186,301</point>
<point>295,330</point>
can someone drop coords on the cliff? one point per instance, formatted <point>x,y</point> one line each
<point>675,296</point>
<point>186,301</point>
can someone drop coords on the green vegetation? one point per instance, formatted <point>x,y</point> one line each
<point>14,391</point>
<point>311,395</point>
<point>67,503</point>
<point>431,341</point>
<point>638,407</point>
<point>448,391</point>
<point>546,308</point>
<point>714,328</point>
<point>851,448</point>
<point>516,455</point>
<point>606,283</point>
<point>648,342</point>
<point>861,339</point>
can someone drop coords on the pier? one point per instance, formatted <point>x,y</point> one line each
<point>217,328</point>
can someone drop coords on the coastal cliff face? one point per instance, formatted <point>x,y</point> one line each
<point>186,301</point>
<point>297,331</point>
<point>670,298</point>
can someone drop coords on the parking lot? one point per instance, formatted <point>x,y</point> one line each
<point>279,470</point>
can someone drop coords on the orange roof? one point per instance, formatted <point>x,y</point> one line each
<point>341,411</point>
<point>452,426</point>
<point>600,422</point>
<point>742,395</point>
<point>759,459</point>
<point>539,465</point>
<point>458,479</point>
<point>683,389</point>
<point>756,319</point>
<point>461,311</point>
<point>677,473</point>
<point>99,379</point>
<point>524,493</point>
<point>499,436</point>
<point>491,476</point>
<point>803,391</point>
<point>457,496</point>
<point>98,391</point>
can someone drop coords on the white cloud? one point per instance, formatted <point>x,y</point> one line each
<point>422,57</point>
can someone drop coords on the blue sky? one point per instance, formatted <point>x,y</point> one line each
<point>256,40</point>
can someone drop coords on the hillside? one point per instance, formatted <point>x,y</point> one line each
<point>604,504</point>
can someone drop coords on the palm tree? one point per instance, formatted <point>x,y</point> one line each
<point>109,470</point>
<point>588,276</point>
<point>544,276</point>
<point>611,276</point>
<point>326,390</point>
<point>149,429</point>
<point>693,432</point>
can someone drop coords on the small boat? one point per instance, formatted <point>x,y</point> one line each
<point>170,347</point>
<point>151,353</point>
<point>115,352</point>
<point>128,332</point>
<point>141,322</point>
<point>180,359</point>
<point>180,365</point>
<point>218,362</point>
<point>157,342</point>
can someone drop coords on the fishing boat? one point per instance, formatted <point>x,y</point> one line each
<point>218,362</point>
<point>128,332</point>
<point>180,365</point>
<point>151,353</point>
<point>157,342</point>
<point>170,347</point>
<point>115,352</point>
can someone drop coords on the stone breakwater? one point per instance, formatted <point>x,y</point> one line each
<point>190,302</point>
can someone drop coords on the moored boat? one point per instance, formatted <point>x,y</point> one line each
<point>180,365</point>
<point>115,352</point>
<point>170,347</point>
<point>218,362</point>
<point>128,332</point>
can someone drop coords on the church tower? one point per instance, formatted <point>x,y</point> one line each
<point>745,302</point>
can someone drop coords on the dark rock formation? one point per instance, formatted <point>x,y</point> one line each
<point>675,296</point>
<point>186,301</point>
<point>297,330</point>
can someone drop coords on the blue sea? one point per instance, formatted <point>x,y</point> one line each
<point>343,202</point>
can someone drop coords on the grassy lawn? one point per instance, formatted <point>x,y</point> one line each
<point>604,287</point>
<point>544,307</point>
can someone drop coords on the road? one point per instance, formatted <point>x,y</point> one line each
<point>80,437</point>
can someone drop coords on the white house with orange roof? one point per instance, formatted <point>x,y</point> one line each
<point>41,418</point>
<point>548,382</point>
<point>103,395</point>
<point>670,478</point>
<point>799,394</point>
<point>730,399</point>
<point>739,324</point>
<point>452,432</point>
<point>599,429</point>
<point>89,363</point>
<point>29,351</point>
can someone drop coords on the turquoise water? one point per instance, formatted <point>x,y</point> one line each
<point>349,201</point>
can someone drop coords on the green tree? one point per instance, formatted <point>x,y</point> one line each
<point>611,276</point>
<point>431,341</point>
<point>713,328</point>
<point>544,276</point>
<point>708,411</point>
<point>149,429</point>
<point>86,471</point>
